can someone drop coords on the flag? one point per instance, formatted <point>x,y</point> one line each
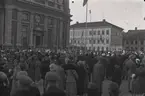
<point>82,36</point>
<point>90,11</point>
<point>85,2</point>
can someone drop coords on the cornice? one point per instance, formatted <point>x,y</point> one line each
<point>45,6</point>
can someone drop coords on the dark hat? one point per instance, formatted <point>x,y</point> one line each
<point>52,76</point>
<point>3,76</point>
<point>24,80</point>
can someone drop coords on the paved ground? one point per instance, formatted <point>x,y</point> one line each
<point>123,87</point>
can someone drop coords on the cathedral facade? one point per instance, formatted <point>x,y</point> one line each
<point>34,23</point>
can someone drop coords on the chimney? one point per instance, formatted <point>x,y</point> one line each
<point>77,22</point>
<point>104,20</point>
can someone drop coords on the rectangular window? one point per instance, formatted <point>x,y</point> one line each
<point>127,42</point>
<point>107,41</point>
<point>98,41</point>
<point>107,32</point>
<point>94,32</point>
<point>103,32</point>
<point>14,32</point>
<point>90,32</point>
<point>14,14</point>
<point>142,42</point>
<point>107,48</point>
<point>142,49</point>
<point>94,41</point>
<point>136,42</point>
<point>102,48</point>
<point>131,42</point>
<point>98,32</point>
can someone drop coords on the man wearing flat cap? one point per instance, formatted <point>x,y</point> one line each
<point>51,81</point>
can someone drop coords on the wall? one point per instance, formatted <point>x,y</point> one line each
<point>116,39</point>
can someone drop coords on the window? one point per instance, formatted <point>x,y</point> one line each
<point>135,42</point>
<point>127,42</point>
<point>103,32</point>
<point>98,41</point>
<point>90,32</point>
<point>131,42</point>
<point>98,32</point>
<point>102,41</point>
<point>90,41</point>
<point>14,14</point>
<point>102,48</point>
<point>142,49</point>
<point>94,32</point>
<point>98,48</point>
<point>94,41</point>
<point>107,41</point>
<point>107,32</point>
<point>107,48</point>
<point>141,42</point>
<point>131,48</point>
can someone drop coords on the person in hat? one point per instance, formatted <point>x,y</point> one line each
<point>24,87</point>
<point>51,80</point>
<point>4,89</point>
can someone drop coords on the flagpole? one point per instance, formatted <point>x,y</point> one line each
<point>86,25</point>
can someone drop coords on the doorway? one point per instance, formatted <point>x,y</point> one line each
<point>38,41</point>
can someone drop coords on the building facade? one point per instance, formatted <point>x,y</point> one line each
<point>134,40</point>
<point>99,36</point>
<point>34,23</point>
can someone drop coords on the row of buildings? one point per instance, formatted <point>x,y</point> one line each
<point>104,36</point>
<point>34,23</point>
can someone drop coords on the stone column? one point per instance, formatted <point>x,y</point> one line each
<point>8,27</point>
<point>19,32</point>
<point>31,44</point>
<point>1,26</point>
<point>54,41</point>
<point>61,34</point>
<point>45,37</point>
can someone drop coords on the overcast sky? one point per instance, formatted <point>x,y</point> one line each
<point>127,14</point>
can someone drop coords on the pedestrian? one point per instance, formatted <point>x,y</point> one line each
<point>52,87</point>
<point>98,76</point>
<point>24,87</point>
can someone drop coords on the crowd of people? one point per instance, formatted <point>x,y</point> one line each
<point>69,72</point>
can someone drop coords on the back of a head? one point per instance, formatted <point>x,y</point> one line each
<point>24,81</point>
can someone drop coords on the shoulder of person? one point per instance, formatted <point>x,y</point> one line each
<point>53,91</point>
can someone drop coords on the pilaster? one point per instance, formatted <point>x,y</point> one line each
<point>54,35</point>
<point>8,27</point>
<point>61,34</point>
<point>45,37</point>
<point>19,32</point>
<point>31,44</point>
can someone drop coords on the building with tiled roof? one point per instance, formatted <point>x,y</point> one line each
<point>99,36</point>
<point>134,40</point>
